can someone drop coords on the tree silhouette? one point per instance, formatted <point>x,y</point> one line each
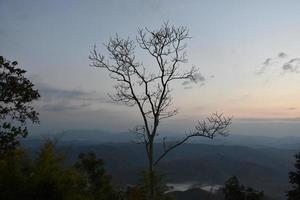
<point>234,191</point>
<point>150,89</point>
<point>16,95</point>
<point>97,182</point>
<point>45,177</point>
<point>48,177</point>
<point>294,176</point>
<point>141,190</point>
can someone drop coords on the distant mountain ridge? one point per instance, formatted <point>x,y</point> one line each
<point>93,136</point>
<point>264,168</point>
<point>198,194</point>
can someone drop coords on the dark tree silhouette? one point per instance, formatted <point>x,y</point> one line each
<point>48,177</point>
<point>16,96</point>
<point>294,176</point>
<point>150,89</point>
<point>141,190</point>
<point>97,182</point>
<point>234,191</point>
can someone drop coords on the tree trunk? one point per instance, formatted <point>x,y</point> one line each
<point>151,172</point>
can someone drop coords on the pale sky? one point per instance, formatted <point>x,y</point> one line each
<point>247,51</point>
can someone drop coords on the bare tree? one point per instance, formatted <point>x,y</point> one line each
<point>149,89</point>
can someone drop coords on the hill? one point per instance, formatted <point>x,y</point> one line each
<point>264,168</point>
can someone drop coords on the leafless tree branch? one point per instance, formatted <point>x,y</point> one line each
<point>214,125</point>
<point>150,90</point>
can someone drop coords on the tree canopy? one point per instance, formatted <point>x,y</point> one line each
<point>294,177</point>
<point>48,177</point>
<point>16,95</point>
<point>233,190</point>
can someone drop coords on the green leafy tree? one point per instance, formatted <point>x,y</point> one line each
<point>48,177</point>
<point>14,175</point>
<point>97,182</point>
<point>233,190</point>
<point>16,96</point>
<point>294,176</point>
<point>142,191</point>
<point>252,194</point>
<point>51,179</point>
<point>160,188</point>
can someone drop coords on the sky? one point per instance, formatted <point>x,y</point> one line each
<point>248,54</point>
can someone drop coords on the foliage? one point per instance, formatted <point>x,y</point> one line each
<point>96,181</point>
<point>47,177</point>
<point>234,191</point>
<point>51,179</point>
<point>16,96</point>
<point>14,175</point>
<point>294,177</point>
<point>142,190</point>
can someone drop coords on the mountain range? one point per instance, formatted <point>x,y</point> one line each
<point>260,162</point>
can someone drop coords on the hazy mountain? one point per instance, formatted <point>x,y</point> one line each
<point>103,136</point>
<point>197,193</point>
<point>259,166</point>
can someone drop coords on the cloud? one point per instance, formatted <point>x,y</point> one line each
<point>271,61</point>
<point>264,66</point>
<point>291,66</point>
<point>186,82</point>
<point>282,55</point>
<point>196,78</point>
<point>292,108</point>
<point>63,106</point>
<point>188,87</point>
<point>59,100</point>
<point>51,93</point>
<point>261,120</point>
<point>267,61</point>
<point>285,65</point>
